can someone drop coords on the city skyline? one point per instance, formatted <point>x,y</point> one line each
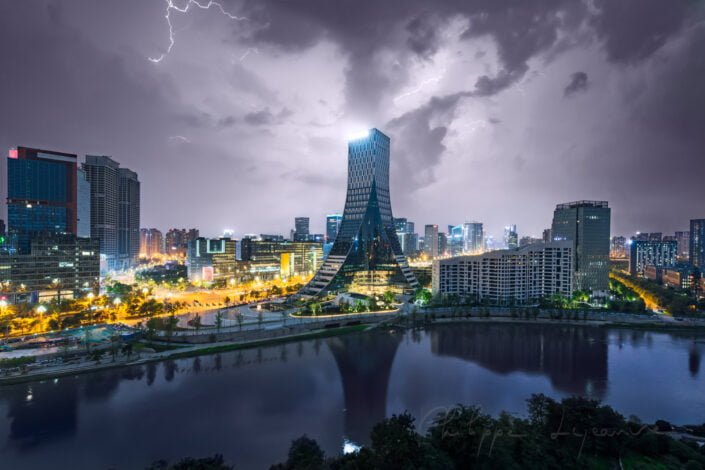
<point>583,106</point>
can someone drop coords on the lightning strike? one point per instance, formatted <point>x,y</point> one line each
<point>170,5</point>
<point>421,86</point>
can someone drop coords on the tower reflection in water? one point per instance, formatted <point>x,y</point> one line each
<point>365,363</point>
<point>573,358</point>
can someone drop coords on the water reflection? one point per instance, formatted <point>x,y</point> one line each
<point>573,358</point>
<point>249,404</point>
<point>365,363</point>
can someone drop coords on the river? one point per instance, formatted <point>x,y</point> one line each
<point>249,405</point>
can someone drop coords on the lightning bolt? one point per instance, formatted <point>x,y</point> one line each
<point>247,52</point>
<point>171,6</point>
<point>420,87</point>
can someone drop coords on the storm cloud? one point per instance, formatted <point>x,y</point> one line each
<point>497,110</point>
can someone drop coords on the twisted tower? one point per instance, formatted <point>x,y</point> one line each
<point>366,257</point>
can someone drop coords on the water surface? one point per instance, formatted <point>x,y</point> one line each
<point>249,405</point>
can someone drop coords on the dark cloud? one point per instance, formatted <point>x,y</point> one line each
<point>634,29</point>
<point>80,82</point>
<point>423,34</point>
<point>419,143</point>
<point>264,117</point>
<point>578,82</point>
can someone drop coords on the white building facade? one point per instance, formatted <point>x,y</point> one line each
<point>508,277</point>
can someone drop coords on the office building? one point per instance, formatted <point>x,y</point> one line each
<point>366,257</point>
<point>511,237</point>
<point>430,240</point>
<point>56,265</point>
<point>408,240</point>
<point>211,260</point>
<point>697,244</point>
<point>546,236</point>
<point>301,229</point>
<point>473,238</point>
<point>176,241</point>
<point>128,219</point>
<point>618,247</point>
<point>115,210</point>
<point>151,242</point>
<point>332,226</point>
<point>587,225</point>
<point>41,195</point>
<point>657,254</point>
<point>508,277</point>
<point>526,241</point>
<point>683,240</point>
<point>83,204</point>
<point>442,244</point>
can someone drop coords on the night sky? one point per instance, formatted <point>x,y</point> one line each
<point>497,110</point>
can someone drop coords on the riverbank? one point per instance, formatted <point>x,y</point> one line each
<point>179,352</point>
<point>203,345</point>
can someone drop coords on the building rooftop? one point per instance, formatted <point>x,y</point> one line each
<point>572,205</point>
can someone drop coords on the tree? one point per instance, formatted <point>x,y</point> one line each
<point>219,320</point>
<point>304,454</point>
<point>226,301</point>
<point>170,324</point>
<point>388,298</point>
<point>196,323</point>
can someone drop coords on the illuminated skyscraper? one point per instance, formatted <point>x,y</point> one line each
<point>332,226</point>
<point>366,256</point>
<point>511,237</point>
<point>430,240</point>
<point>587,225</point>
<point>301,229</point>
<point>697,243</point>
<point>41,194</point>
<point>115,210</point>
<point>473,237</point>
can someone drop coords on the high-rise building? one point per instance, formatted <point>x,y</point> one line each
<point>511,237</point>
<point>526,241</point>
<point>473,238</point>
<point>366,256</point>
<point>41,194</point>
<point>128,219</point>
<point>430,240</point>
<point>103,175</point>
<point>115,207</point>
<point>547,235</point>
<point>587,225</point>
<point>442,244</point>
<point>176,240</point>
<point>506,277</point>
<point>83,204</point>
<point>301,229</point>
<point>683,240</point>
<point>151,242</point>
<point>408,240</point>
<point>455,239</point>
<point>645,253</point>
<point>332,226</point>
<point>697,244</point>
<point>618,247</point>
